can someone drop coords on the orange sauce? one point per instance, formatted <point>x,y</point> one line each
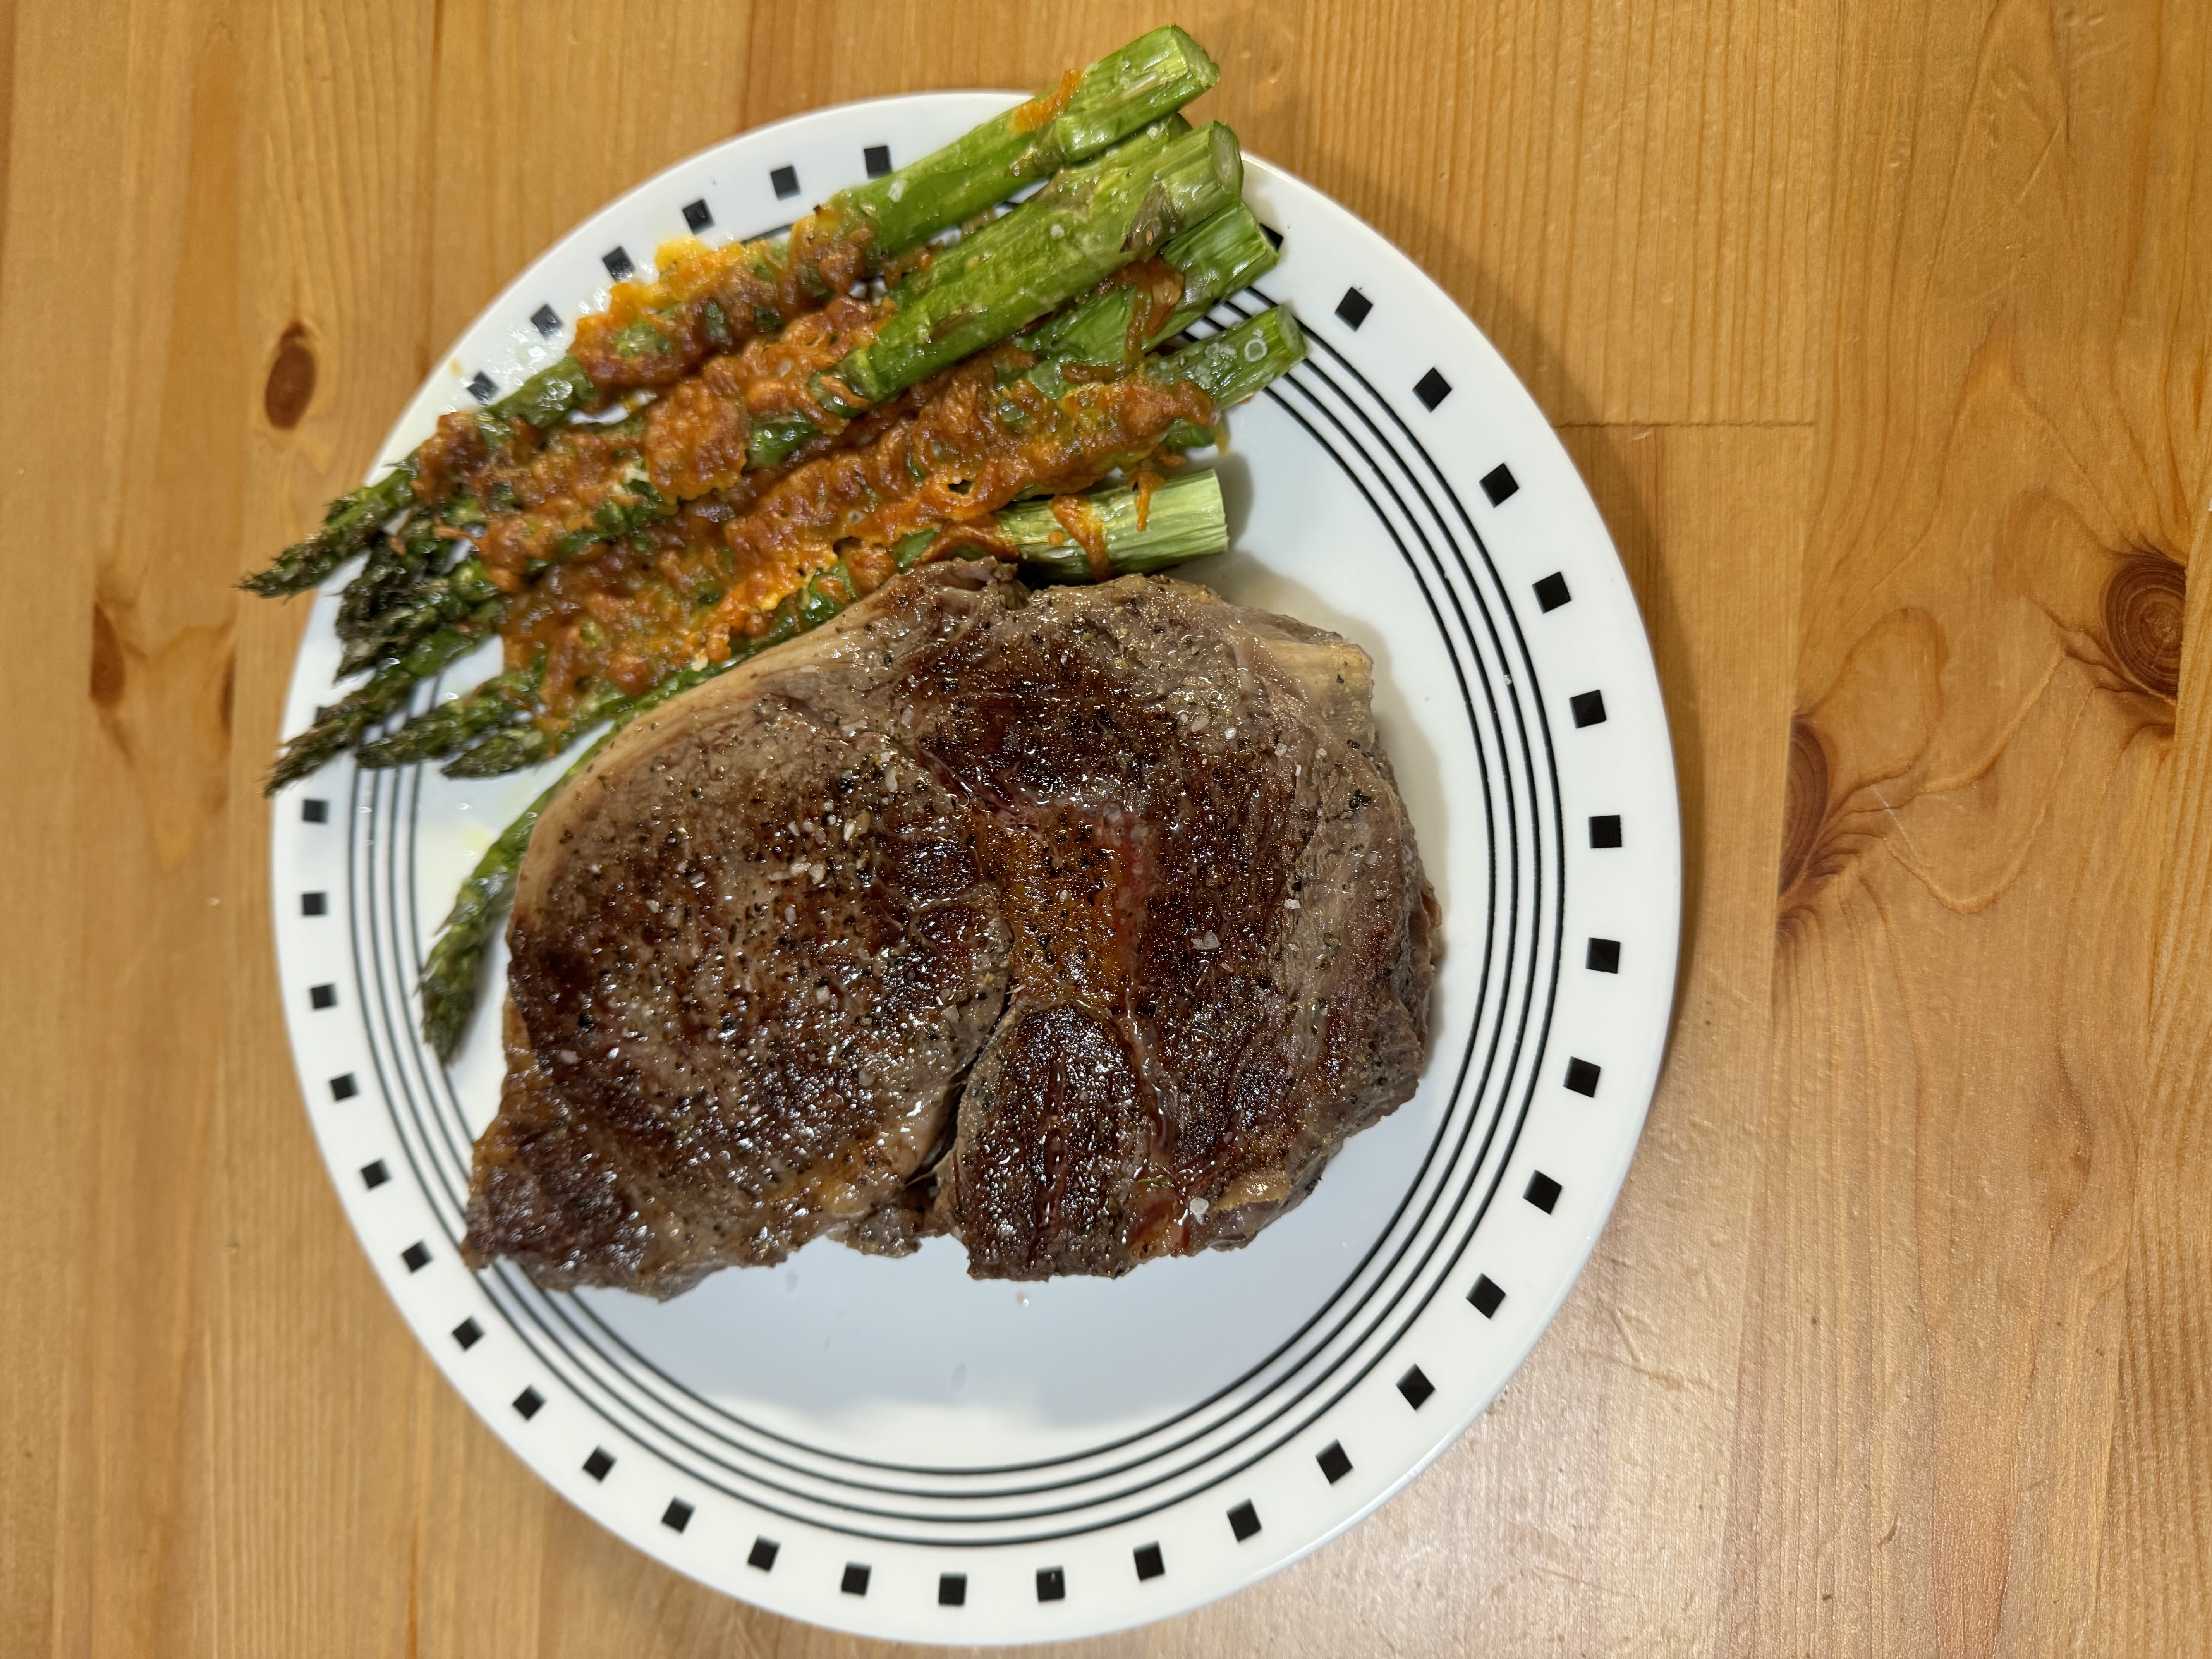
<point>690,443</point>
<point>1159,289</point>
<point>709,300</point>
<point>1144,483</point>
<point>971,449</point>
<point>1044,109</point>
<point>1083,528</point>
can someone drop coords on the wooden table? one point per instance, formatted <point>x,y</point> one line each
<point>1882,330</point>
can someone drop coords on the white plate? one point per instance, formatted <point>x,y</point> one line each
<point>887,1446</point>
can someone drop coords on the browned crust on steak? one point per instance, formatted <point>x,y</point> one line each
<point>1132,854</point>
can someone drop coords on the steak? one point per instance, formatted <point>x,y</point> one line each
<point>1083,925</point>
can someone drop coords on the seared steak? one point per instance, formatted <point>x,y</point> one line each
<point>1082,924</point>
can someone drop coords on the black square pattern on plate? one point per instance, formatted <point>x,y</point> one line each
<point>322,996</point>
<point>1351,310</point>
<point>1274,237</point>
<point>676,1516</point>
<point>344,1088</point>
<point>416,1256</point>
<point>314,904</point>
<point>1431,389</point>
<point>374,1176</point>
<point>1552,591</point>
<point>878,160</point>
<point>617,260</point>
<point>1052,1584</point>
<point>1605,829</point>
<point>1243,1520</point>
<point>468,1334</point>
<point>546,321</point>
<point>1149,1564</point>
<point>698,215</point>
<point>1416,1387</point>
<point>785,180</point>
<point>1589,707</point>
<point>528,1403</point>
<point>315,812</point>
<point>1542,1191</point>
<point>1582,1077</point>
<point>481,386</point>
<point>1603,956</point>
<point>1486,1296</point>
<point>1333,1463</point>
<point>855,1581</point>
<point>1500,485</point>
<point>763,1555</point>
<point>952,1590</point>
<point>599,1463</point>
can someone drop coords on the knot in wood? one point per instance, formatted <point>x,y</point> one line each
<point>1805,802</point>
<point>2143,602</point>
<point>290,386</point>
<point>110,669</point>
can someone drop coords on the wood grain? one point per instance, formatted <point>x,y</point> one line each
<point>1882,334</point>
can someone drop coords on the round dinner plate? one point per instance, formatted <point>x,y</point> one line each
<point>891,1448</point>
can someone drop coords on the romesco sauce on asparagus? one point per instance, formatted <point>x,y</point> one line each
<point>708,301</point>
<point>679,591</point>
<point>692,440</point>
<point>689,442</point>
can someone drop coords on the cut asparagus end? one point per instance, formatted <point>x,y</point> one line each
<point>1044,253</point>
<point>1154,75</point>
<point>1151,76</point>
<point>1215,259</point>
<point>1233,365</point>
<point>1182,519</point>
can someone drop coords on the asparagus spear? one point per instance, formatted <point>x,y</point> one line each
<point>1185,519</point>
<point>1118,95</point>
<point>1138,530</point>
<point>396,565</point>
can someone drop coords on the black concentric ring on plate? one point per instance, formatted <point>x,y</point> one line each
<point>1358,433</point>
